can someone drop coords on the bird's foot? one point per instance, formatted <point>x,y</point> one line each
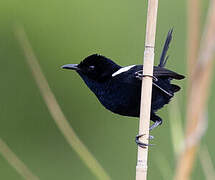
<point>139,75</point>
<point>141,144</point>
<point>151,137</point>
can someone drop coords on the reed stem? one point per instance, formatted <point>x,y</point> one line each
<point>55,110</point>
<point>198,97</point>
<point>142,157</point>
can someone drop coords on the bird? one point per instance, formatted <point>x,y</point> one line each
<point>119,88</point>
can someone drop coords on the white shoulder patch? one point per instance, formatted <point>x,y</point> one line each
<point>121,70</point>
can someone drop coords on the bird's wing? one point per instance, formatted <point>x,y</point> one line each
<point>162,76</point>
<point>131,76</point>
<point>163,72</point>
<point>158,72</point>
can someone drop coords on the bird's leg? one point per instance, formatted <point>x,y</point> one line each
<point>163,90</point>
<point>154,125</point>
<point>157,121</point>
<point>140,75</point>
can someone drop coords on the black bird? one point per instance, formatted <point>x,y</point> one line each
<point>119,88</point>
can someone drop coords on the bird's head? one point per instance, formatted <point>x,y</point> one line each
<point>95,67</point>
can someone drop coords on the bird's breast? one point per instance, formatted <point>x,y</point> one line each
<point>120,99</point>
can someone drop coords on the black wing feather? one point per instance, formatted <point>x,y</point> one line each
<point>163,72</point>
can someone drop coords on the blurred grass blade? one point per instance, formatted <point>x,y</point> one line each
<point>198,97</point>
<point>55,110</point>
<point>15,162</point>
<point>196,135</point>
<point>206,162</point>
<point>193,28</point>
<point>176,127</point>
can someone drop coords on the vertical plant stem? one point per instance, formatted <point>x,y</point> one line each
<point>193,25</point>
<point>55,110</point>
<point>141,168</point>
<point>197,100</point>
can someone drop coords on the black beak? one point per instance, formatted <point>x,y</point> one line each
<point>70,66</point>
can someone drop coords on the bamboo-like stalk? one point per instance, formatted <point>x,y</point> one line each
<point>141,168</point>
<point>198,96</point>
<point>15,162</point>
<point>55,110</point>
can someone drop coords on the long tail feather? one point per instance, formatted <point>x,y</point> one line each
<point>163,58</point>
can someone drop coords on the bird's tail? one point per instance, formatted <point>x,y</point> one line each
<point>163,57</point>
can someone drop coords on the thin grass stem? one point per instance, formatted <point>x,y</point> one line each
<point>15,162</point>
<point>55,109</point>
<point>198,97</point>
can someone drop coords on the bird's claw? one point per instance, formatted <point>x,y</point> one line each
<point>151,137</point>
<point>141,144</point>
<point>139,75</point>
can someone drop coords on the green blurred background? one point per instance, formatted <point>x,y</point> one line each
<point>63,32</point>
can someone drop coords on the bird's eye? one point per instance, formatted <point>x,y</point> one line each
<point>91,67</point>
